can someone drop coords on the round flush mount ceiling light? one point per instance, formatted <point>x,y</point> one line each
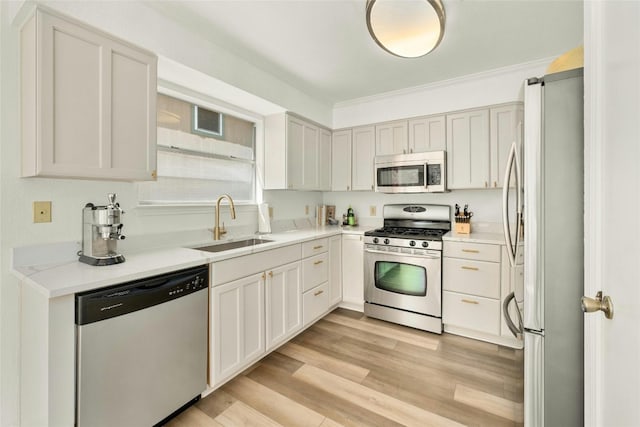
<point>406,28</point>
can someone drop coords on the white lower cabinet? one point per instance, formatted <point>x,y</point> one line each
<point>283,304</point>
<point>471,312</point>
<point>237,326</point>
<point>261,300</point>
<point>353,271</point>
<point>476,279</point>
<point>315,303</point>
<point>315,279</point>
<point>335,270</point>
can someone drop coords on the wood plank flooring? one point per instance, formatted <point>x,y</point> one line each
<point>350,370</point>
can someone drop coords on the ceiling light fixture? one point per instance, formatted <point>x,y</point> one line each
<point>406,28</point>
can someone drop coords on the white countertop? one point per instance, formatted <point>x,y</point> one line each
<point>481,232</point>
<point>57,275</point>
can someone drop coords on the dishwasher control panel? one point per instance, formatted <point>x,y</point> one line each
<point>117,300</point>
<point>197,283</point>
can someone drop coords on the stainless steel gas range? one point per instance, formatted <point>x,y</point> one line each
<point>403,266</point>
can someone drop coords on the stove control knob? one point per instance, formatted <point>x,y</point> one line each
<point>386,241</point>
<point>375,240</point>
<point>412,243</point>
<point>425,244</point>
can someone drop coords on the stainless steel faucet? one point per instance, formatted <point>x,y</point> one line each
<point>217,231</point>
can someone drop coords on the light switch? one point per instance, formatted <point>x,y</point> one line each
<point>372,210</point>
<point>270,212</point>
<point>42,211</point>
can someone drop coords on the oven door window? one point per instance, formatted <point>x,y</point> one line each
<point>401,176</point>
<point>400,278</point>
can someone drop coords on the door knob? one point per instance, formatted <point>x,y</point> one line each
<point>600,303</point>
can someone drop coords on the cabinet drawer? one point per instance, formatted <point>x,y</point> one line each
<point>477,251</point>
<point>314,247</point>
<point>315,270</point>
<point>246,265</point>
<point>315,302</point>
<point>471,277</point>
<point>477,313</point>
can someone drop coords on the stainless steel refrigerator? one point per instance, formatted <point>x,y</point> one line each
<point>549,187</point>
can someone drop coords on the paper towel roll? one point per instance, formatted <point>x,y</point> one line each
<point>264,222</point>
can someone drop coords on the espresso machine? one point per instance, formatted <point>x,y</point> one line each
<point>101,230</point>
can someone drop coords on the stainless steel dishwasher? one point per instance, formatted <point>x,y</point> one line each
<point>141,349</point>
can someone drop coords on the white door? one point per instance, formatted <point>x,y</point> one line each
<point>283,304</point>
<point>612,185</point>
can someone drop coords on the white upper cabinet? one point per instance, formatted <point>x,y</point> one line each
<point>427,134</point>
<point>506,128</point>
<point>478,144</point>
<point>468,149</point>
<point>363,154</point>
<point>307,164</point>
<point>324,160</point>
<point>88,103</point>
<point>341,160</point>
<point>392,138</point>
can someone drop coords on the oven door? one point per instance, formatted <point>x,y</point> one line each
<point>410,282</point>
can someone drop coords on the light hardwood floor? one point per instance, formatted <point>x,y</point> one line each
<point>351,370</point>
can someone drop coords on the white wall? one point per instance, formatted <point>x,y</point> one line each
<point>493,87</point>
<point>485,204</point>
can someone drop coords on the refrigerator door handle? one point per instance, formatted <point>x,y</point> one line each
<point>511,161</point>
<point>515,330</point>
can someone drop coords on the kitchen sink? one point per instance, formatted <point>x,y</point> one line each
<point>233,245</point>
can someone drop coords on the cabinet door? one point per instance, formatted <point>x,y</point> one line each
<point>237,326</point>
<point>353,271</point>
<point>392,138</point>
<point>295,153</point>
<point>341,160</point>
<point>506,128</point>
<point>468,149</point>
<point>93,99</point>
<point>310,157</point>
<point>283,304</point>
<point>335,270</point>
<point>324,161</point>
<point>427,134</point>
<point>362,158</point>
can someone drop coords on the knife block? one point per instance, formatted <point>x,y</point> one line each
<point>463,227</point>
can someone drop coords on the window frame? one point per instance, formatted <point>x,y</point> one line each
<point>223,107</point>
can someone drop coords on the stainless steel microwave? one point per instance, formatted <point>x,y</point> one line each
<point>411,173</point>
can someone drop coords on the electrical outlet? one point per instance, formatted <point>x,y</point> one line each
<point>41,211</point>
<point>306,209</point>
<point>372,210</point>
<point>270,212</point>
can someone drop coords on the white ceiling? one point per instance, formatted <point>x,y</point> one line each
<point>323,48</point>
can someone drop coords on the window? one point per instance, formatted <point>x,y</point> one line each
<point>202,154</point>
<point>207,122</point>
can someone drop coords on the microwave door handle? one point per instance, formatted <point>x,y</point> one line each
<point>505,205</point>
<point>426,177</point>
